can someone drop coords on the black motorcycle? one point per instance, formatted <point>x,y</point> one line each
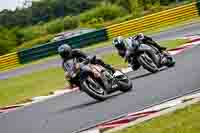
<point>150,58</point>
<point>98,82</point>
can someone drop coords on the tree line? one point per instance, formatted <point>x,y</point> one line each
<point>46,10</point>
<point>43,11</point>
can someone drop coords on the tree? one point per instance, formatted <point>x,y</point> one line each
<point>133,6</point>
<point>44,10</point>
<point>70,22</point>
<point>8,40</point>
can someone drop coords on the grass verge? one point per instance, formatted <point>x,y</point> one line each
<point>181,121</point>
<point>20,88</point>
<point>14,90</point>
<point>170,44</point>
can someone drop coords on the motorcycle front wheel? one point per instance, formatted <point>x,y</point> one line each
<point>147,63</point>
<point>94,89</point>
<point>124,84</point>
<point>170,61</point>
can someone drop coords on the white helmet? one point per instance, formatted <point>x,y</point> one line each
<point>141,36</point>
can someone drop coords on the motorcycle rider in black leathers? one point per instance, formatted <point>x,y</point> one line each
<point>125,46</point>
<point>68,54</point>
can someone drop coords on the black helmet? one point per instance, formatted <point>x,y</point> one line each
<point>65,51</point>
<point>119,42</point>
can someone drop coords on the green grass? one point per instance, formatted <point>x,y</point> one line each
<point>14,90</point>
<point>115,60</point>
<point>20,88</point>
<point>98,45</point>
<point>186,120</point>
<point>170,44</point>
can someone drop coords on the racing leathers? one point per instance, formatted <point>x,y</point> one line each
<point>131,45</point>
<point>148,41</point>
<point>137,39</point>
<point>70,66</point>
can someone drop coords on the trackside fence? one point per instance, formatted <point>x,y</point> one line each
<point>131,27</point>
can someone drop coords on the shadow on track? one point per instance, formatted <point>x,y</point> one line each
<point>147,74</point>
<point>140,76</point>
<point>84,105</point>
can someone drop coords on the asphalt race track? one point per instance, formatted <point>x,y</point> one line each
<point>189,29</point>
<point>73,111</point>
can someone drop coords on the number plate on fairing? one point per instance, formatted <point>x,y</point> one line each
<point>117,73</point>
<point>114,86</point>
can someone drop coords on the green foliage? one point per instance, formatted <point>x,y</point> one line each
<point>132,6</point>
<point>54,26</point>
<point>37,41</point>
<point>70,22</point>
<point>42,29</point>
<point>6,46</point>
<point>103,12</point>
<point>17,37</point>
<point>135,7</point>
<point>31,32</point>
<point>166,2</point>
<point>44,10</point>
<point>8,40</point>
